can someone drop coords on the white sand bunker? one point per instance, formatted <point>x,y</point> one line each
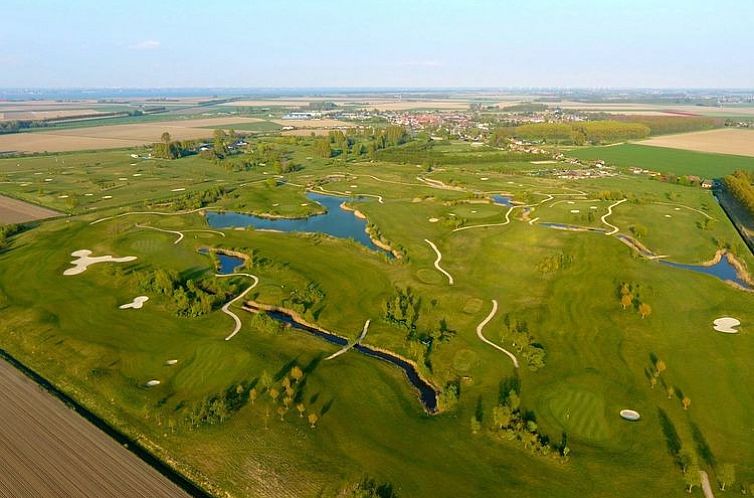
<point>668,216</point>
<point>726,324</point>
<point>575,211</point>
<point>631,415</point>
<point>136,304</point>
<point>177,189</point>
<point>171,362</point>
<point>84,259</point>
<point>434,220</point>
<point>354,186</point>
<point>484,178</point>
<point>153,383</point>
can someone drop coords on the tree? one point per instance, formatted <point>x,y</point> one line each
<point>671,391</point>
<point>501,415</point>
<point>692,476</point>
<point>282,411</point>
<point>166,138</point>
<point>301,409</point>
<point>253,395</point>
<point>727,475</point>
<point>660,366</point>
<point>287,401</point>
<point>685,459</point>
<point>626,300</point>
<point>686,402</point>
<point>652,382</point>
<point>265,380</point>
<point>645,310</point>
<point>274,394</point>
<point>296,373</point>
<point>313,419</point>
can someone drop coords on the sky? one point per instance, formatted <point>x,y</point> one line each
<point>377,43</point>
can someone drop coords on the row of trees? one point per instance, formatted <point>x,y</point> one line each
<point>555,262</point>
<point>580,133</point>
<point>662,125</point>
<point>199,199</point>
<point>359,142</point>
<point>6,232</point>
<point>741,186</point>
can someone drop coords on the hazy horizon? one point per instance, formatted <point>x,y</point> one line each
<point>576,44</point>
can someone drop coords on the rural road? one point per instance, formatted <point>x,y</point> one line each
<point>226,307</point>
<point>48,450</point>
<point>437,261</point>
<point>481,326</point>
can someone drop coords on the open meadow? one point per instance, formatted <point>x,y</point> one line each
<point>535,308</point>
<point>734,141</point>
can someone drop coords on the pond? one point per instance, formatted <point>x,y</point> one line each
<point>228,264</point>
<point>427,393</point>
<point>336,222</point>
<point>503,200</point>
<point>722,270</point>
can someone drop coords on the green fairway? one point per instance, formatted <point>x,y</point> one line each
<point>226,412</point>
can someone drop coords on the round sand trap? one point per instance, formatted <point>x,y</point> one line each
<point>136,304</point>
<point>123,179</point>
<point>434,220</point>
<point>677,209</point>
<point>575,211</point>
<point>484,178</point>
<point>107,196</point>
<point>84,259</point>
<point>153,383</point>
<point>630,415</point>
<point>171,362</point>
<point>592,207</point>
<point>726,325</point>
<point>668,216</point>
<point>354,186</point>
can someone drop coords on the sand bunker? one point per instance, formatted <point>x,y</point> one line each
<point>171,362</point>
<point>630,415</point>
<point>434,220</point>
<point>575,211</point>
<point>726,325</point>
<point>83,260</point>
<point>136,304</point>
<point>153,383</point>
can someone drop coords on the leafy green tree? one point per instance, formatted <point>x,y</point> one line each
<point>726,475</point>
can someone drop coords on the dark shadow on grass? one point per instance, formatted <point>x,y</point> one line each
<point>672,440</point>
<point>326,407</point>
<point>702,446</point>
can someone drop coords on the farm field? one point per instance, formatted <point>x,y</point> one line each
<point>724,141</point>
<point>666,160</point>
<point>48,450</point>
<point>114,136</point>
<point>15,211</point>
<point>479,275</point>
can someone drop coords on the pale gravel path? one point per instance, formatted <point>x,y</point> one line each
<point>180,234</point>
<point>479,334</point>
<point>609,212</point>
<point>437,261</point>
<point>161,213</point>
<point>226,307</point>
<point>548,197</point>
<point>349,346</point>
<point>686,207</point>
<point>706,486</point>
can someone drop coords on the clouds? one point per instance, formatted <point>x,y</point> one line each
<point>145,45</point>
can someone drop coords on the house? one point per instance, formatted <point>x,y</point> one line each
<point>707,184</point>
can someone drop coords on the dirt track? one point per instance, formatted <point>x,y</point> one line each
<point>48,450</point>
<point>15,211</point>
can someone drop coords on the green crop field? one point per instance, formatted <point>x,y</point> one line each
<point>221,413</point>
<point>664,160</point>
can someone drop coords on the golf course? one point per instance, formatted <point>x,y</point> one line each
<point>294,318</point>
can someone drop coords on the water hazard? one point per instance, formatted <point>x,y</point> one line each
<point>336,222</point>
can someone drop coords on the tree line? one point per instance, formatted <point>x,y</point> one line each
<point>740,184</point>
<point>581,133</point>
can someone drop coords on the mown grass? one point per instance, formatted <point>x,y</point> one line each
<point>71,330</point>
